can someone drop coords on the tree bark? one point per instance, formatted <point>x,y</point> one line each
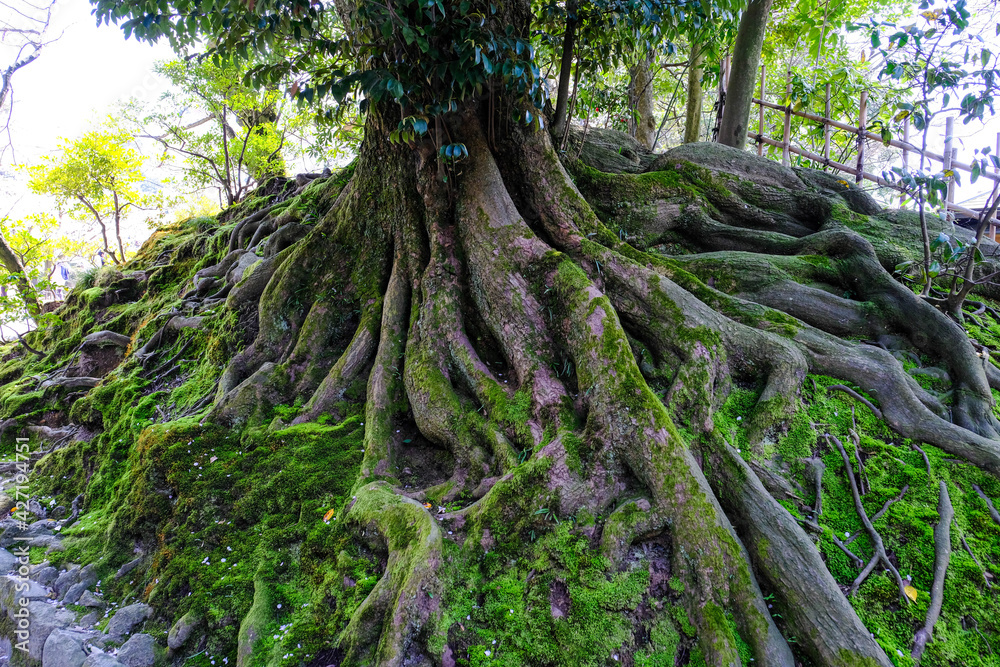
<point>746,61</point>
<point>695,96</point>
<point>641,99</point>
<point>25,289</point>
<point>566,67</point>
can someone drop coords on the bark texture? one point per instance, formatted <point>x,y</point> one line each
<point>491,419</point>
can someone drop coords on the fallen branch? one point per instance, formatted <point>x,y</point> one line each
<point>885,508</point>
<point>989,503</point>
<point>853,394</point>
<point>876,538</point>
<point>24,343</point>
<point>866,486</point>
<point>942,554</point>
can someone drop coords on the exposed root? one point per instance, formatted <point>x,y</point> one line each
<point>942,554</point>
<point>856,396</point>
<point>927,461</point>
<point>885,508</point>
<point>880,553</point>
<point>968,550</point>
<point>989,504</point>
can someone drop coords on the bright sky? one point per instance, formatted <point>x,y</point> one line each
<point>77,79</point>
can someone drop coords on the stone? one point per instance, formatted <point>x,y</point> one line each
<point>91,619</point>
<point>64,649</point>
<point>57,513</point>
<point>127,567</point>
<point>46,576</point>
<point>100,659</point>
<point>89,599</point>
<point>88,577</point>
<point>8,561</point>
<point>10,596</point>
<point>12,530</point>
<point>139,651</point>
<point>6,504</point>
<point>66,579</point>
<point>182,630</point>
<point>127,618</point>
<point>44,618</point>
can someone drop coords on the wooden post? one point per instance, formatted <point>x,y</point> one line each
<point>826,129</point>
<point>906,154</point>
<point>951,181</point>
<point>949,157</point>
<point>993,227</point>
<point>862,128</point>
<point>760,117</point>
<point>786,139</point>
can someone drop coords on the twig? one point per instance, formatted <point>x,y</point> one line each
<point>968,550</point>
<point>815,527</point>
<point>942,554</point>
<point>989,503</point>
<point>856,584</point>
<point>23,342</point>
<point>866,486</point>
<point>927,463</point>
<point>853,394</point>
<point>876,538</point>
<point>885,508</point>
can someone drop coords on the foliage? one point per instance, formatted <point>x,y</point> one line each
<point>231,136</point>
<point>98,178</point>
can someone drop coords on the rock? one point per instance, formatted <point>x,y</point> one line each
<point>139,651</point>
<point>127,618</point>
<point>44,618</point>
<point>57,513</point>
<point>182,629</point>
<point>36,508</point>
<point>88,577</point>
<point>127,567</point>
<point>91,619</point>
<point>32,530</point>
<point>8,561</point>
<point>64,648</point>
<point>46,576</point>
<point>10,596</point>
<point>99,659</point>
<point>6,504</point>
<point>89,599</point>
<point>65,580</point>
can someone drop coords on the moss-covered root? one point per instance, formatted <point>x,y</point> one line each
<point>806,593</point>
<point>391,627</point>
<point>630,418</point>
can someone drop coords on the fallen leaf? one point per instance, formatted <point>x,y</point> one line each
<point>911,592</point>
<point>328,516</point>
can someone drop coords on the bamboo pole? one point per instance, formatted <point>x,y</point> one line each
<point>787,135</point>
<point>874,137</point>
<point>826,127</point>
<point>906,154</point>
<point>862,129</point>
<point>760,117</point>
<point>949,157</point>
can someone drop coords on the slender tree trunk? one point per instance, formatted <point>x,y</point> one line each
<point>696,96</point>
<point>643,122</point>
<point>566,67</point>
<point>746,61</point>
<point>25,289</point>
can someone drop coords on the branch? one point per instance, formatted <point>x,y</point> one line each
<point>850,392</point>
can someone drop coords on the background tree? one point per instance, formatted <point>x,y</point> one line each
<point>98,178</point>
<point>230,136</point>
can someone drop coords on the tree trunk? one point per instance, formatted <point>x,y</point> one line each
<point>746,62</point>
<point>640,94</point>
<point>566,67</point>
<point>695,96</point>
<point>25,289</point>
<point>435,422</point>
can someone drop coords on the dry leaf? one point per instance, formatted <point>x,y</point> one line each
<point>911,592</point>
<point>328,515</point>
